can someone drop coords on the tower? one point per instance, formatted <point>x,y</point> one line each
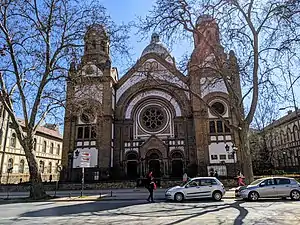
<point>90,105</point>
<point>211,133</point>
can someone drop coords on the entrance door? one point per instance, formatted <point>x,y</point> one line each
<point>154,166</point>
<point>177,168</point>
<point>132,169</point>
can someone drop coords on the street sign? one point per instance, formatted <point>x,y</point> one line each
<point>85,159</point>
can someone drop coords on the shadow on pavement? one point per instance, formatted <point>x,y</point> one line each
<point>187,211</point>
<point>80,208</point>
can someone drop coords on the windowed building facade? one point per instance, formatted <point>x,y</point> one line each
<point>13,163</point>
<point>138,123</point>
<point>282,141</point>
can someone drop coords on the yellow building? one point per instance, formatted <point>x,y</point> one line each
<point>48,145</point>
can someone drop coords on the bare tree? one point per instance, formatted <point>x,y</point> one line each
<point>254,30</point>
<point>38,40</point>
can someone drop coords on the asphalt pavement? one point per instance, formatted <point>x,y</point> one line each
<point>138,212</point>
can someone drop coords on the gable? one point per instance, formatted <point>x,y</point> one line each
<point>159,70</point>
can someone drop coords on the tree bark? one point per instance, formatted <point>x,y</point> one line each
<point>37,190</point>
<point>245,152</point>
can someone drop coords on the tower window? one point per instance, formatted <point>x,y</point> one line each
<point>80,133</point>
<point>218,107</point>
<point>94,44</point>
<point>212,127</point>
<point>219,126</point>
<point>86,132</point>
<point>227,129</point>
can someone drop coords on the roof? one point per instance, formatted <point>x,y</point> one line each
<point>44,130</point>
<point>285,119</point>
<point>156,46</point>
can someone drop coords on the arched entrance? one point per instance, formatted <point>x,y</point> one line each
<point>177,164</point>
<point>132,165</point>
<point>154,164</point>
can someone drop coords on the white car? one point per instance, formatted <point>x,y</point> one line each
<point>198,187</point>
<point>270,187</point>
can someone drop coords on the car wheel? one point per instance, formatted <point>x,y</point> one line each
<point>178,197</point>
<point>217,195</point>
<point>253,196</point>
<point>295,195</point>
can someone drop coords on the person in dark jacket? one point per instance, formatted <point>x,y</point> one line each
<point>151,188</point>
<point>148,179</point>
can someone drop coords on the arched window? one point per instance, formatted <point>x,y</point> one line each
<point>10,164</point>
<point>282,137</point>
<point>288,135</point>
<point>176,155</point>
<point>42,166</point>
<point>44,146</point>
<point>51,148</point>
<point>34,144</point>
<point>58,149</point>
<point>50,167</point>
<point>13,140</point>
<point>21,166</point>
<point>132,156</point>
<point>295,133</point>
<point>1,135</point>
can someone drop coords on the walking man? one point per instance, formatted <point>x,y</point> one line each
<point>151,188</point>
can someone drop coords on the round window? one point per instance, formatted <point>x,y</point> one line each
<point>153,118</point>
<point>87,117</point>
<point>218,107</point>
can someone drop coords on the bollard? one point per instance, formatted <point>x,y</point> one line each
<point>110,193</point>
<point>100,194</point>
<point>69,195</point>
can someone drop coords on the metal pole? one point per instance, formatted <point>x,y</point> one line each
<point>82,182</point>
<point>234,166</point>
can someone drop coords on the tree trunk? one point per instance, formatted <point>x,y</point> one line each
<point>37,190</point>
<point>246,160</point>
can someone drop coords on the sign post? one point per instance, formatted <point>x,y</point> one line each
<point>85,159</point>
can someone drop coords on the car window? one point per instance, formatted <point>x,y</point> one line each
<point>193,183</point>
<point>283,181</point>
<point>269,182</point>
<point>207,182</point>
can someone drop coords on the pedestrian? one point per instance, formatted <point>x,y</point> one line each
<point>240,178</point>
<point>211,172</point>
<point>184,178</point>
<point>216,174</point>
<point>151,188</point>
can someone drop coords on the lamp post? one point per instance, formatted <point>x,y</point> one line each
<point>233,153</point>
<point>71,158</point>
<point>284,160</point>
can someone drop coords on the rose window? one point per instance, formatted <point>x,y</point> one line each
<point>153,119</point>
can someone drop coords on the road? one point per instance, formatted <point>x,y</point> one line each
<point>139,193</point>
<point>228,211</point>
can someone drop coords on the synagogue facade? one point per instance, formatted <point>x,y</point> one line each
<point>154,117</point>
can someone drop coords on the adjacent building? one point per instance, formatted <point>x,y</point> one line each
<point>282,140</point>
<point>13,163</point>
<point>135,124</point>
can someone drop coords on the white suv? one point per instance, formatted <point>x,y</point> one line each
<point>198,187</point>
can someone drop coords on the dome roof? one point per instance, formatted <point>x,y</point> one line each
<point>156,47</point>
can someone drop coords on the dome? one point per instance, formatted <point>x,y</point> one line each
<point>156,47</point>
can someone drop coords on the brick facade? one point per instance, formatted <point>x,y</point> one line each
<point>153,118</point>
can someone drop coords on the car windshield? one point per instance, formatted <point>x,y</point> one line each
<point>256,182</point>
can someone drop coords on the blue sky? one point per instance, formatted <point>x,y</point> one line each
<point>124,11</point>
<point>127,10</point>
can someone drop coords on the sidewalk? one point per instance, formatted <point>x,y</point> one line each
<point>104,195</point>
<point>128,196</point>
